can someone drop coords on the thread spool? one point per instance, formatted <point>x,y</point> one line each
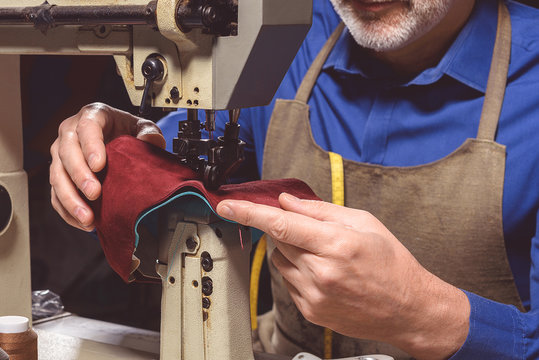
<point>17,339</point>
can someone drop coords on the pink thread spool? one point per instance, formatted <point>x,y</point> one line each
<point>17,339</point>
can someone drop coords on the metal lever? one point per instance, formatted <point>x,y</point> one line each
<point>153,70</point>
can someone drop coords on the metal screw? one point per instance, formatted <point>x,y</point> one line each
<point>207,286</point>
<point>207,261</point>
<point>206,303</point>
<point>191,244</point>
<point>204,315</point>
<point>174,93</point>
<point>218,232</point>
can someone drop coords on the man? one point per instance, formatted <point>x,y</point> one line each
<point>399,108</point>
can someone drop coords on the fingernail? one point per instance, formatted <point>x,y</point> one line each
<point>88,188</point>
<point>92,159</point>
<point>290,197</point>
<point>226,211</point>
<point>81,214</point>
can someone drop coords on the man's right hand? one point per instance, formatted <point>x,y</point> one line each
<point>79,152</point>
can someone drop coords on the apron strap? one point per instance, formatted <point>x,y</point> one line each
<point>497,79</point>
<point>304,91</point>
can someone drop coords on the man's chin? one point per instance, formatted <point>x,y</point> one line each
<point>389,25</point>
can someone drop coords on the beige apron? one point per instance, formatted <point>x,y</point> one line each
<point>448,213</point>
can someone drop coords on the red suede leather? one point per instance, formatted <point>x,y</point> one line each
<point>139,176</point>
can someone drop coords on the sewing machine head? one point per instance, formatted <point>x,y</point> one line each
<point>194,54</point>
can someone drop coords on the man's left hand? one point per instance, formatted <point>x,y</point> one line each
<point>346,271</point>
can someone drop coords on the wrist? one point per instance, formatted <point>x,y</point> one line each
<point>438,322</point>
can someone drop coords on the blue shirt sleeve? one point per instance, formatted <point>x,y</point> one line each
<point>499,331</point>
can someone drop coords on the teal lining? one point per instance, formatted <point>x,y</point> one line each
<point>187,193</point>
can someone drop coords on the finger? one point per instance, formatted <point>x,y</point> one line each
<point>66,215</point>
<point>321,210</point>
<point>296,285</point>
<point>286,268</point>
<point>68,196</point>
<point>328,212</point>
<point>296,296</point>
<point>91,128</point>
<point>149,132</point>
<point>72,162</point>
<point>288,227</point>
<point>290,252</point>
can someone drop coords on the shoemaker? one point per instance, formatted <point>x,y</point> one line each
<point>429,112</point>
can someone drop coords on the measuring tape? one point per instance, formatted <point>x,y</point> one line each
<point>337,178</point>
<point>337,197</point>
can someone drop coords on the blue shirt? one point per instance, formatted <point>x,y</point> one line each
<point>364,112</point>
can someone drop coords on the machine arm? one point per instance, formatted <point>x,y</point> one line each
<point>195,54</point>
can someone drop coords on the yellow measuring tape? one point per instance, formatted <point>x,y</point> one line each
<point>337,178</point>
<point>337,197</point>
<point>258,259</point>
<point>337,191</point>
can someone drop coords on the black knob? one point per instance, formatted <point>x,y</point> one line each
<point>152,70</point>
<point>5,208</point>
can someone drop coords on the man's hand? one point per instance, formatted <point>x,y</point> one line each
<point>79,152</point>
<point>346,271</point>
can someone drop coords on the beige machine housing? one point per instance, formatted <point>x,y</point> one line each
<point>14,238</point>
<point>210,72</point>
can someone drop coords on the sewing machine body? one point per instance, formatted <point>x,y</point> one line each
<point>208,71</point>
<point>15,296</point>
<point>204,267</point>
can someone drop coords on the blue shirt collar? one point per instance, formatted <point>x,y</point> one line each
<point>467,60</point>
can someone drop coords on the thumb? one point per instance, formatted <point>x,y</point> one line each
<point>153,138</point>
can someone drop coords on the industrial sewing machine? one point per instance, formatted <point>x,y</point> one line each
<point>196,54</point>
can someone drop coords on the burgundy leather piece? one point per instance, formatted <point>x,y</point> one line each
<point>139,176</point>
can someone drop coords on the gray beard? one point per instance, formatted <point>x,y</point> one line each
<point>393,31</point>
